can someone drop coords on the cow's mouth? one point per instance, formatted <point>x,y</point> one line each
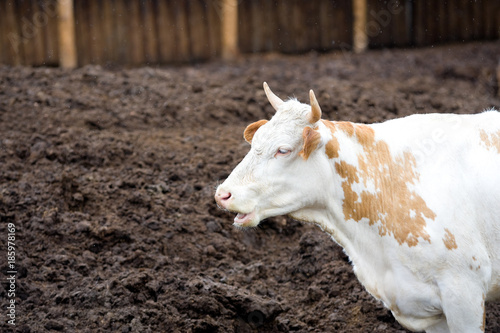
<point>244,220</point>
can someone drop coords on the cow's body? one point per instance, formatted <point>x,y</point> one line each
<point>415,203</point>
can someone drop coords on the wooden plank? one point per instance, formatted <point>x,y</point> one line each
<point>11,40</point>
<point>99,39</point>
<point>88,43</point>
<point>244,26</point>
<point>373,28</point>
<point>496,19</point>
<point>166,31</point>
<point>379,24</point>
<point>340,28</point>
<point>275,29</point>
<point>78,31</point>
<point>214,28</point>
<point>477,19</point>
<point>67,47</point>
<point>94,30</point>
<point>402,22</point>
<point>198,30</point>
<point>4,42</point>
<point>333,15</point>
<point>229,29</point>
<point>285,27</point>
<point>182,32</point>
<point>464,18</point>
<point>425,22</point>
<point>298,26</point>
<point>492,24</point>
<point>16,49</point>
<point>311,25</point>
<point>337,32</point>
<point>431,23</point>
<point>108,39</point>
<point>360,37</point>
<point>454,20</point>
<point>259,26</point>
<point>120,30</point>
<point>150,35</point>
<point>269,26</point>
<point>286,9</point>
<point>386,18</point>
<point>496,22</point>
<point>81,32</point>
<point>487,18</point>
<point>326,24</point>
<point>40,21</point>
<point>256,26</point>
<point>27,31</point>
<point>465,21</point>
<point>49,8</point>
<point>442,26</point>
<point>345,19</point>
<point>419,38</point>
<point>136,50</point>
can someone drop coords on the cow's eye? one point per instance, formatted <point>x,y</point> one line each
<point>282,152</point>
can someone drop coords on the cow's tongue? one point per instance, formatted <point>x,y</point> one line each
<point>241,218</point>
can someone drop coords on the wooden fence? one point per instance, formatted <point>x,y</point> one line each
<point>293,26</point>
<point>429,22</point>
<point>138,32</point>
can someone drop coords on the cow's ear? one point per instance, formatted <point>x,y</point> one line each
<point>251,129</point>
<point>312,139</point>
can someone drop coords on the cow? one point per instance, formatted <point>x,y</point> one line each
<point>414,202</point>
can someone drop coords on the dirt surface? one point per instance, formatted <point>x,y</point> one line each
<point>108,176</point>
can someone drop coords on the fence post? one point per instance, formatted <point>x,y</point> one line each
<point>66,27</point>
<point>229,29</point>
<point>360,36</point>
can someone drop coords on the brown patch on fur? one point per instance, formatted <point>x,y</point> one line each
<point>311,141</point>
<point>449,240</point>
<point>365,135</point>
<point>251,129</point>
<point>330,124</point>
<point>332,148</point>
<point>346,127</point>
<point>395,208</point>
<point>491,140</point>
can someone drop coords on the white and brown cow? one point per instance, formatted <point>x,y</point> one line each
<point>414,202</point>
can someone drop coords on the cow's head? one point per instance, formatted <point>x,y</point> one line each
<point>284,169</point>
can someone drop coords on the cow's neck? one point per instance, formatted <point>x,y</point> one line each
<point>365,178</point>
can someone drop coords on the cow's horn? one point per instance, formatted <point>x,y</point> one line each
<point>315,114</point>
<point>273,99</point>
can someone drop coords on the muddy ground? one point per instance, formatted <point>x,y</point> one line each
<point>108,176</point>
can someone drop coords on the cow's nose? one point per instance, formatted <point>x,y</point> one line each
<point>222,197</point>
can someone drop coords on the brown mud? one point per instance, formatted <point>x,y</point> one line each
<point>109,175</point>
